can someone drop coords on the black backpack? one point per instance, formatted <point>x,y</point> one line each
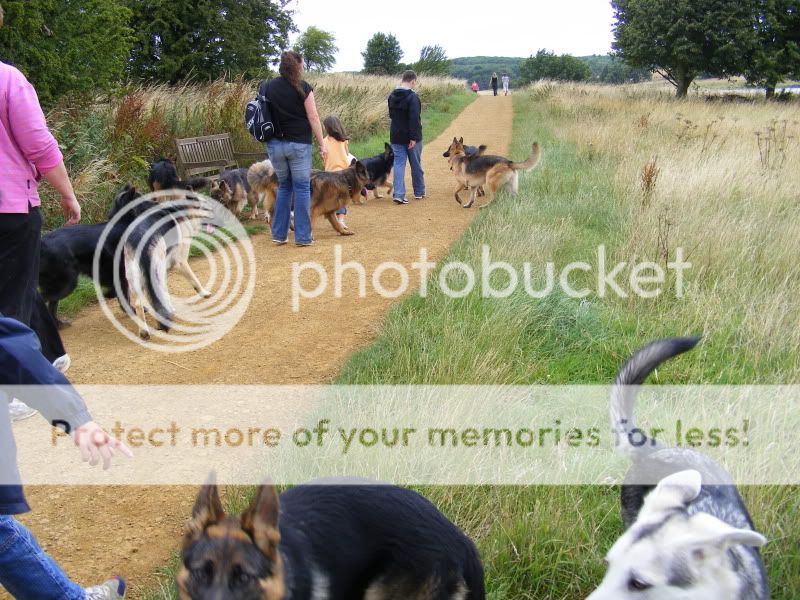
<point>259,118</point>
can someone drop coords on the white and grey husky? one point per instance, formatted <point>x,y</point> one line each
<point>686,539</point>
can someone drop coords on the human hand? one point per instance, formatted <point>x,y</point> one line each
<point>96,445</point>
<point>323,151</point>
<point>411,144</point>
<point>72,210</point>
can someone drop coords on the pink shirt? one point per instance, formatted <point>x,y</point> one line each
<point>27,148</point>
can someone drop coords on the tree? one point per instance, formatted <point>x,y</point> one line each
<point>546,65</point>
<point>432,61</point>
<point>206,39</point>
<point>318,49</point>
<point>678,39</point>
<point>383,54</point>
<point>776,56</point>
<point>66,46</point>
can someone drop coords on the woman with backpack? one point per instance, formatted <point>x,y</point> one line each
<point>294,108</point>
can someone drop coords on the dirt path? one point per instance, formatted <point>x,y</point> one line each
<point>132,531</point>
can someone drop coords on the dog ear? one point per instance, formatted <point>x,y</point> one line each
<point>461,141</point>
<point>710,532</point>
<point>260,521</point>
<point>361,170</point>
<point>353,162</point>
<point>675,491</point>
<point>387,146</point>
<point>207,511</point>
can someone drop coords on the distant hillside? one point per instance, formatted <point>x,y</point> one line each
<point>480,68</point>
<point>605,69</point>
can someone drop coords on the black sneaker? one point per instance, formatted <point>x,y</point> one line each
<point>400,200</point>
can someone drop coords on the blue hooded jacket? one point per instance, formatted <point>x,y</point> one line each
<point>22,364</point>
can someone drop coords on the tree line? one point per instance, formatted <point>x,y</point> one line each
<point>81,47</point>
<point>682,39</point>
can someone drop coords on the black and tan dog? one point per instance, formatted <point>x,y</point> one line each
<point>469,151</point>
<point>333,190</point>
<point>233,191</point>
<point>492,172</point>
<point>379,168</point>
<point>333,541</point>
<point>164,176</point>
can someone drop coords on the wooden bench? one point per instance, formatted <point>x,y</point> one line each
<point>210,155</point>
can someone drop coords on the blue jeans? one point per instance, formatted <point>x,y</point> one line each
<point>26,571</point>
<point>292,163</point>
<point>414,158</point>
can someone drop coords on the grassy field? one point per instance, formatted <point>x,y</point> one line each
<point>710,189</point>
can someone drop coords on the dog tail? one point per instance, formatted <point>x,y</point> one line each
<point>259,174</point>
<point>154,274</point>
<point>536,154</point>
<point>625,389</point>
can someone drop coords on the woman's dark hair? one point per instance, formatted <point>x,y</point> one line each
<point>335,129</point>
<point>291,69</point>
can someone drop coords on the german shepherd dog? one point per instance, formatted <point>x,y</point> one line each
<point>333,190</point>
<point>492,172</point>
<point>685,540</point>
<point>469,151</point>
<point>327,541</point>
<point>264,184</point>
<point>164,176</point>
<point>379,168</point>
<point>233,191</point>
<point>157,241</point>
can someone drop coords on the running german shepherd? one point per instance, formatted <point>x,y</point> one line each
<point>337,540</point>
<point>333,190</point>
<point>492,172</point>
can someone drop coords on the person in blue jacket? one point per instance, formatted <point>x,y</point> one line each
<point>26,571</point>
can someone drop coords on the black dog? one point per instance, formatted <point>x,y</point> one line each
<point>68,252</point>
<point>164,176</point>
<point>378,168</point>
<point>339,542</point>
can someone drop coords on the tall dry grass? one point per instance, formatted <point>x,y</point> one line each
<point>115,139</point>
<point>726,189</point>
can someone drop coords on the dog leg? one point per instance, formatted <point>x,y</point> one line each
<point>461,188</point>
<point>252,199</point>
<point>183,267</point>
<point>336,225</point>
<point>472,194</point>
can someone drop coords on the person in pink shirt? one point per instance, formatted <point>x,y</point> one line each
<point>28,153</point>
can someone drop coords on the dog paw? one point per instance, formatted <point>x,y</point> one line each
<point>204,293</point>
<point>144,334</point>
<point>468,205</point>
<point>347,232</point>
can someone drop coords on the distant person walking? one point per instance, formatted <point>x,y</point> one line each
<point>475,87</point>
<point>405,110</point>
<point>506,82</point>
<point>494,83</point>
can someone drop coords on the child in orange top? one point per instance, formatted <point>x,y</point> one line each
<point>338,157</point>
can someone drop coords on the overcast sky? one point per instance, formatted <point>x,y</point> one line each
<point>462,27</point>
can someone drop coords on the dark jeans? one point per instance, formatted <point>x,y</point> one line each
<point>20,235</point>
<point>19,263</point>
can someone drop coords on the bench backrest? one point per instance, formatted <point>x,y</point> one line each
<point>206,154</point>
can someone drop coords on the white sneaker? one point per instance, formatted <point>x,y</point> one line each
<point>62,363</point>
<point>113,589</point>
<point>19,411</point>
